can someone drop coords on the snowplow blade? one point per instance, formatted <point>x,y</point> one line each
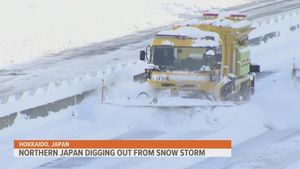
<point>169,103</point>
<point>140,78</point>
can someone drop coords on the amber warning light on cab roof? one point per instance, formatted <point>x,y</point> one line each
<point>237,16</point>
<point>209,15</point>
<point>214,15</point>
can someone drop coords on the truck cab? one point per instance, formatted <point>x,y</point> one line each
<point>210,57</point>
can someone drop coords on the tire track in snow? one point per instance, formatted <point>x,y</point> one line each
<point>115,163</point>
<point>266,151</point>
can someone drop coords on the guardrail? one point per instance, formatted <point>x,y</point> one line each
<point>274,27</point>
<point>56,97</point>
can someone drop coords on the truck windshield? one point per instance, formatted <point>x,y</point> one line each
<point>183,58</point>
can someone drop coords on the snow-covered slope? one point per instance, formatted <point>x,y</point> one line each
<point>33,28</point>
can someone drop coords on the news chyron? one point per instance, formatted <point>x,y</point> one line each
<point>122,148</point>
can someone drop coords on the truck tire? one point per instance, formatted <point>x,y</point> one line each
<point>226,90</point>
<point>245,91</point>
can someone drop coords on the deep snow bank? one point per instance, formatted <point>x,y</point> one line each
<point>32,28</point>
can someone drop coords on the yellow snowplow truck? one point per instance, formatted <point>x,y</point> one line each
<point>209,59</point>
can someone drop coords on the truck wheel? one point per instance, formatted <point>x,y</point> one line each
<point>245,90</point>
<point>252,87</point>
<point>226,90</point>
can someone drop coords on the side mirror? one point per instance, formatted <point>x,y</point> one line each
<point>142,55</point>
<point>254,68</point>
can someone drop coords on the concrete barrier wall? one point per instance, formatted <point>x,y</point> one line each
<point>274,27</point>
<point>54,97</point>
<point>7,120</point>
<point>44,110</point>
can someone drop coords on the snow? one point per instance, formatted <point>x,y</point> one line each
<point>230,23</point>
<point>205,68</point>
<point>35,129</point>
<point>31,29</point>
<point>295,165</point>
<point>210,52</point>
<point>223,23</point>
<point>40,74</point>
<point>167,43</point>
<point>265,131</point>
<point>241,24</point>
<point>267,127</point>
<point>205,43</point>
<point>166,102</point>
<point>189,32</point>
<point>193,33</point>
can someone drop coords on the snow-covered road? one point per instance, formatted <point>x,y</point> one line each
<point>90,59</point>
<point>265,131</point>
